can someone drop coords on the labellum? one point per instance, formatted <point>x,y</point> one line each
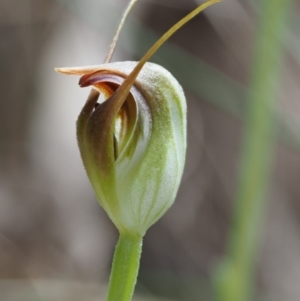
<point>133,140</point>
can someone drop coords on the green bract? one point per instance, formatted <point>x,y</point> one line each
<point>133,151</point>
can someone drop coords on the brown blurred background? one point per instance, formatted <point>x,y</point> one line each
<point>55,240</point>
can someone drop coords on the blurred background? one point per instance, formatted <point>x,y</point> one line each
<point>56,243</point>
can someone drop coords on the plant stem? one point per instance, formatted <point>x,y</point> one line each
<point>125,268</point>
<point>234,278</point>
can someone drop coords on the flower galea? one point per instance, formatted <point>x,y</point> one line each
<point>133,149</point>
<point>133,140</point>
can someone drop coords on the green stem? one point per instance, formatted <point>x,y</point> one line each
<point>234,278</point>
<point>125,268</point>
